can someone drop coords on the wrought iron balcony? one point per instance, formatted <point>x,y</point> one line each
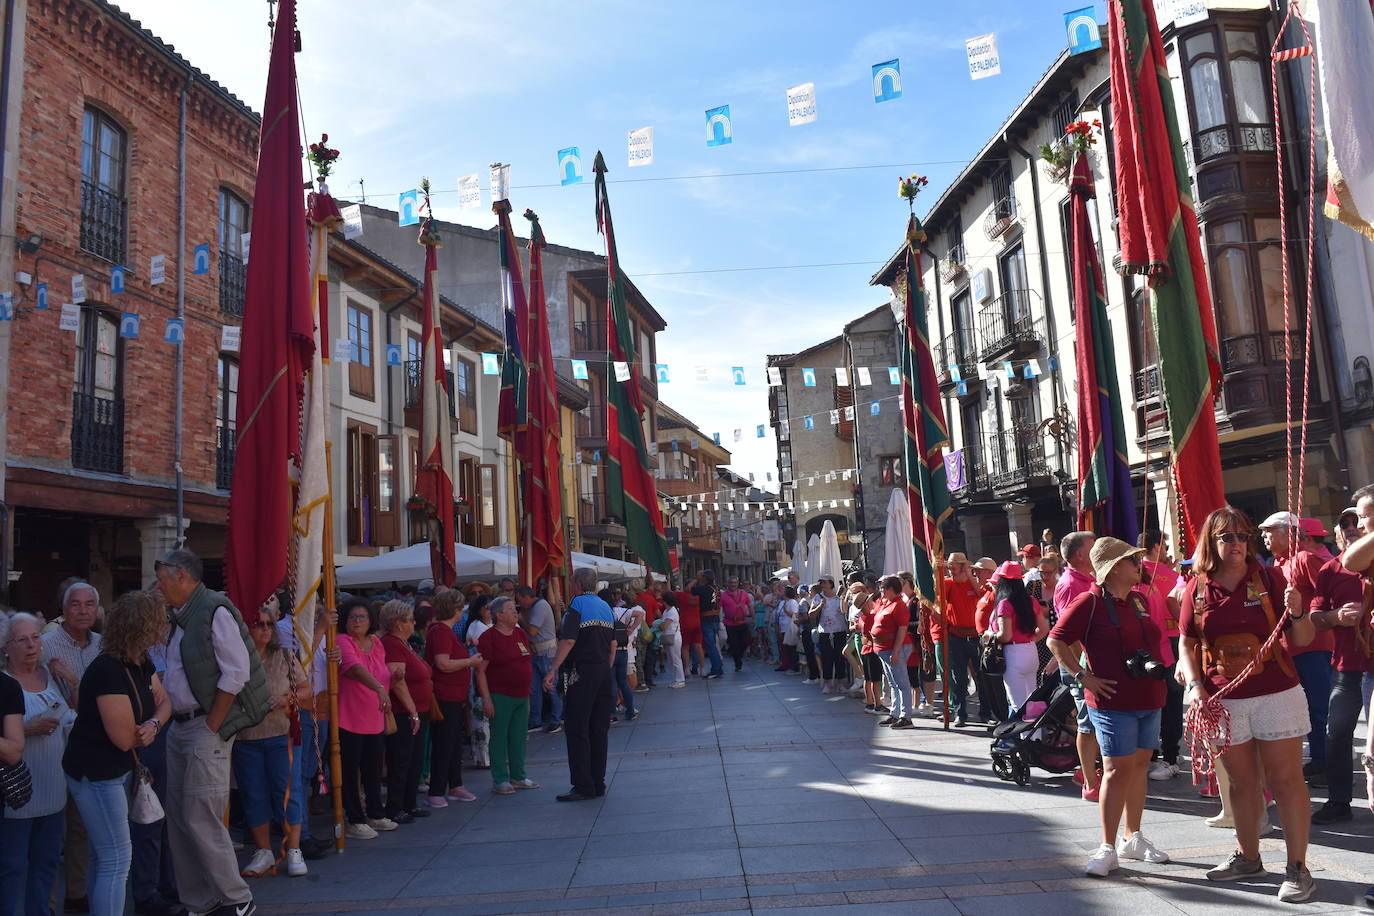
<point>103,222</point>
<point>226,443</point>
<point>1000,218</point>
<point>97,433</point>
<point>1232,138</point>
<point>952,271</point>
<point>233,280</point>
<point>1017,457</point>
<point>959,349</point>
<point>411,405</point>
<point>1147,384</point>
<point>1006,326</point>
<point>590,336</point>
<point>975,472</point>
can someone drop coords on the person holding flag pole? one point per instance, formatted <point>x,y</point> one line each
<point>923,419</point>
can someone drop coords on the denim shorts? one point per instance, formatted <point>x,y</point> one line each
<point>1085,725</point>
<point>1121,734</point>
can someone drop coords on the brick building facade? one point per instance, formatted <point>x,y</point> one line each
<point>108,115</point>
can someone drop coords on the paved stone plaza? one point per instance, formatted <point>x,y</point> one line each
<point>757,793</point>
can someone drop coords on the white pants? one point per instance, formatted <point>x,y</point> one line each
<point>674,653</point>
<point>1022,660</point>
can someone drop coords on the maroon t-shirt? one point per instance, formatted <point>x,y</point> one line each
<point>1337,587</point>
<point>449,686</point>
<point>508,662</point>
<point>418,673</point>
<point>1301,570</point>
<point>1239,612</point>
<point>1088,620</point>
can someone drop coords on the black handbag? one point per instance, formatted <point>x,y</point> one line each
<point>990,657</point>
<point>16,784</point>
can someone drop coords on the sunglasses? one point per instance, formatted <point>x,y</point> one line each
<point>262,624</point>
<point>1231,537</point>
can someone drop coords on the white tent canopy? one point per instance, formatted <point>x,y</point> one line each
<point>506,558</point>
<point>409,565</point>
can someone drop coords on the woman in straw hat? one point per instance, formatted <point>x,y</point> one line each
<point>1125,693</point>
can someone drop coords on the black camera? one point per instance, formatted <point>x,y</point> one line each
<point>1143,664</point>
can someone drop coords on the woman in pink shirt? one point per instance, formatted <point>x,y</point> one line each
<point>1020,624</point>
<point>735,608</point>
<point>364,701</point>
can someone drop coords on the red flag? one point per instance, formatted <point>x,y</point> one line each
<point>542,457</point>
<point>434,479</point>
<point>277,342</point>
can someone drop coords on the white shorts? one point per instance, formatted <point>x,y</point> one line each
<point>1272,717</point>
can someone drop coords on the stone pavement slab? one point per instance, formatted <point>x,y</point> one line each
<point>757,794</point>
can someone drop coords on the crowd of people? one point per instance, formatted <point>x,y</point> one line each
<point>127,734</point>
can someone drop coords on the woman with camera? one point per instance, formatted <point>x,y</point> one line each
<point>1125,692</point>
<point>1227,615</point>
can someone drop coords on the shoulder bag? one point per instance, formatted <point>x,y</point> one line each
<point>144,805</point>
<point>990,655</point>
<point>16,784</point>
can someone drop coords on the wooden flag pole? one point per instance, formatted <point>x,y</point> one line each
<point>331,641</point>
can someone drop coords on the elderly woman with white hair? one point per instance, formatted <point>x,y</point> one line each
<point>412,695</point>
<point>31,835</point>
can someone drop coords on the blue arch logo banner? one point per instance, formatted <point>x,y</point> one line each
<point>408,208</point>
<point>175,332</point>
<point>887,81</point>
<point>116,280</point>
<point>40,297</point>
<point>200,259</point>
<point>128,325</point>
<point>1083,31</point>
<point>718,129</point>
<point>570,165</point>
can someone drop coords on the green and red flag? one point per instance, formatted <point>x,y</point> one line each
<point>1106,497</point>
<point>277,345</point>
<point>923,418</point>
<point>434,477</point>
<point>542,457</point>
<point>1160,239</point>
<point>630,490</point>
<point>512,413</point>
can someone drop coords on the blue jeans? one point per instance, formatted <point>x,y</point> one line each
<point>263,773</point>
<point>1314,671</point>
<point>539,667</point>
<point>29,850</point>
<point>895,671</point>
<point>1346,700</point>
<point>151,871</point>
<point>311,762</point>
<point>709,628</point>
<point>104,807</point>
<point>620,679</point>
<point>963,651</point>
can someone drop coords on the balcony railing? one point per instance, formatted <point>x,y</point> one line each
<point>589,335</point>
<point>411,404</point>
<point>233,279</point>
<point>1000,218</point>
<point>1241,138</point>
<point>959,349</point>
<point>226,443</point>
<point>975,476</point>
<point>1006,326</point>
<point>97,433</point>
<point>1017,456</point>
<point>1147,384</point>
<point>592,424</point>
<point>102,222</point>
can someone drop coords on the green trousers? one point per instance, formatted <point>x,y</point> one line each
<point>508,734</point>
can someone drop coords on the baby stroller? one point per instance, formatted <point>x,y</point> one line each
<point>1042,733</point>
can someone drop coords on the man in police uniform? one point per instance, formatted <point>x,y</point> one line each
<point>586,641</point>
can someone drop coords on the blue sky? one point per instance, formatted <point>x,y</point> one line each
<point>431,87</point>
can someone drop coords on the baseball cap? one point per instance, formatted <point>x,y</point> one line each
<point>1281,520</point>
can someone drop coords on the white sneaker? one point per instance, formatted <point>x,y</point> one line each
<point>361,832</point>
<point>1160,770</point>
<point>679,685</point>
<point>295,863</point>
<point>1224,821</point>
<point>811,680</point>
<point>1103,862</point>
<point>260,864</point>
<point>826,689</point>
<point>382,824</point>
<point>1141,849</point>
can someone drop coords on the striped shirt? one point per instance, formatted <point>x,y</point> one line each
<point>59,644</point>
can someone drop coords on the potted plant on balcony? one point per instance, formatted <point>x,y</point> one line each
<point>951,271</point>
<point>1059,154</point>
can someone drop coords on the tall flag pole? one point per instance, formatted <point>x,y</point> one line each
<point>543,463</point>
<point>1160,239</point>
<point>923,419</point>
<point>277,344</point>
<point>1106,496</point>
<point>630,490</point>
<point>311,528</point>
<point>512,412</point>
<point>434,478</point>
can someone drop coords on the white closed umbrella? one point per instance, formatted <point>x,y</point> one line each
<point>409,565</point>
<point>828,562</point>
<point>813,560</point>
<point>898,555</point>
<point>798,557</point>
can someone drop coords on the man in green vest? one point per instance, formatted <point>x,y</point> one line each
<point>217,687</point>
